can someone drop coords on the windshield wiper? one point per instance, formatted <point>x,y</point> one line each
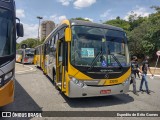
<point>115,58</point>
<point>94,60</point>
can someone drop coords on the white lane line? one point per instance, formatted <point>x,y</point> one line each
<point>30,69</point>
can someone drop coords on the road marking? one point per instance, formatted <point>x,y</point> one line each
<point>24,71</point>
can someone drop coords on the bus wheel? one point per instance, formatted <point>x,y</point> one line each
<point>54,80</point>
<point>54,76</point>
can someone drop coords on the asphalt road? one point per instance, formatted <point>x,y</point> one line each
<point>35,92</point>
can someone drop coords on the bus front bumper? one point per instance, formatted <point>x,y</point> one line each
<point>7,93</point>
<point>91,91</point>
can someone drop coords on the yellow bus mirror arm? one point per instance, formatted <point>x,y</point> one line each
<point>67,34</point>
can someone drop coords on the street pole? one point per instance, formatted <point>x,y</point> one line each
<point>39,18</point>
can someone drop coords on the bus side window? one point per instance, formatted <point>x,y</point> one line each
<point>56,39</point>
<point>61,33</point>
<point>35,52</point>
<point>52,41</point>
<point>47,48</point>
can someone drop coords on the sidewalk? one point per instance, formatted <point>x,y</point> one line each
<point>157,70</point>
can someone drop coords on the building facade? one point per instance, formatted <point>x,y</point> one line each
<point>46,28</point>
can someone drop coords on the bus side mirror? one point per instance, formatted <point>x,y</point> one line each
<point>20,32</point>
<point>67,34</point>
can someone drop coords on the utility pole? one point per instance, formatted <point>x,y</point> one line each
<point>38,17</point>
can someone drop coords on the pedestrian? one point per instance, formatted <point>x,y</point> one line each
<point>137,74</point>
<point>145,67</point>
<point>134,68</point>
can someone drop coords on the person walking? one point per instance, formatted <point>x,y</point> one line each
<point>134,69</point>
<point>145,67</point>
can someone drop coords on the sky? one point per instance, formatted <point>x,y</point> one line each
<point>95,10</point>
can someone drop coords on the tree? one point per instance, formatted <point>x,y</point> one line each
<point>135,20</point>
<point>30,42</point>
<point>145,38</point>
<point>118,22</point>
<point>157,8</point>
<point>143,32</point>
<point>80,18</point>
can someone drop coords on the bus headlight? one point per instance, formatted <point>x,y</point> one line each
<point>127,81</point>
<point>0,81</point>
<point>8,75</point>
<point>5,78</point>
<point>77,82</point>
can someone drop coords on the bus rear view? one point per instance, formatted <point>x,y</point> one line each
<point>7,50</point>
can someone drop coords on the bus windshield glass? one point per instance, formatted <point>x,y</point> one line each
<point>29,52</point>
<point>6,33</point>
<point>98,47</point>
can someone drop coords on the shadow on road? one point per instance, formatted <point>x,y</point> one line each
<point>22,102</point>
<point>92,102</point>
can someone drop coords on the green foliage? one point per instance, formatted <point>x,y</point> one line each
<point>119,23</point>
<point>30,42</point>
<point>135,21</point>
<point>145,38</point>
<point>80,18</point>
<point>143,32</point>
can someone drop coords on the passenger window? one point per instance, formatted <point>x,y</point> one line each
<point>61,33</point>
<point>56,39</point>
<point>52,41</point>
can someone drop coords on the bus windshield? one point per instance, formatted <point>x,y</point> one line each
<point>29,51</point>
<point>6,35</point>
<point>98,47</point>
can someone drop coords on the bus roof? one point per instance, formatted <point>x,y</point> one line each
<point>82,22</point>
<point>91,24</point>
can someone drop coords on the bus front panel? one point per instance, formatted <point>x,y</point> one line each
<point>98,62</point>
<point>7,51</point>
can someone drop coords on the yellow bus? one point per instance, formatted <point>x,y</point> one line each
<point>8,28</point>
<point>86,59</point>
<point>37,56</point>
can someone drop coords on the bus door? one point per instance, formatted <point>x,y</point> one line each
<point>60,72</point>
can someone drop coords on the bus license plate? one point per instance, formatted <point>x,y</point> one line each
<point>105,91</point>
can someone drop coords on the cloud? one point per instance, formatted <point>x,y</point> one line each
<point>61,18</point>
<point>89,19</point>
<point>57,19</point>
<point>78,4</point>
<point>30,31</point>
<point>20,13</point>
<point>139,11</point>
<point>105,14</point>
<point>65,2</point>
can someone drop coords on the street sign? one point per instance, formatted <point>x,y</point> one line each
<point>23,46</point>
<point>158,53</point>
